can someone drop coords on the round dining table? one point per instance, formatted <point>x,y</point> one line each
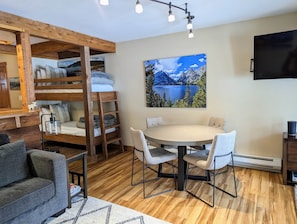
<point>182,135</point>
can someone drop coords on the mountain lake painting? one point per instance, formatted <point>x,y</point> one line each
<point>178,82</point>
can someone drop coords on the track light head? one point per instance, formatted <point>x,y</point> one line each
<point>191,34</point>
<point>104,2</point>
<point>138,7</point>
<point>171,17</point>
<point>190,24</point>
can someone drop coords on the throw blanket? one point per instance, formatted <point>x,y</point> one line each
<point>108,121</point>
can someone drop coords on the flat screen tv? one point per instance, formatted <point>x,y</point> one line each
<point>275,55</point>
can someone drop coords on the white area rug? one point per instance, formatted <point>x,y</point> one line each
<point>93,210</point>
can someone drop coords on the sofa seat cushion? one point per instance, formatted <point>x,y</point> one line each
<point>19,197</point>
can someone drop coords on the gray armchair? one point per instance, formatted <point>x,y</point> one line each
<point>33,184</point>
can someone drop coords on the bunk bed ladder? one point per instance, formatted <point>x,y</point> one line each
<point>105,98</point>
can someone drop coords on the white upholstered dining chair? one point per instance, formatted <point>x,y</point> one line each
<point>156,121</point>
<point>149,157</point>
<point>216,122</point>
<point>220,156</point>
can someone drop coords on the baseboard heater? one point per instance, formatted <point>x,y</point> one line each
<point>260,163</point>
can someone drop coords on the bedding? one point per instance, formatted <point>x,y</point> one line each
<point>94,88</point>
<point>81,122</point>
<point>109,120</point>
<point>47,72</point>
<point>61,112</point>
<point>70,128</point>
<point>100,81</point>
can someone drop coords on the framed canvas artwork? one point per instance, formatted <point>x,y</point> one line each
<point>177,82</point>
<point>14,83</point>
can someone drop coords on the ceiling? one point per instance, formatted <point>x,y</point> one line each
<point>118,22</point>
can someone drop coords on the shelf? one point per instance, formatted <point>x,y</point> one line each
<point>14,119</point>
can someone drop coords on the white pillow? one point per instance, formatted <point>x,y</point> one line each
<point>61,112</point>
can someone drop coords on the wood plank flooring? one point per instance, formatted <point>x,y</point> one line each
<point>262,198</point>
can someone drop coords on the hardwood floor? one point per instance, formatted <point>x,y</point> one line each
<point>262,198</point>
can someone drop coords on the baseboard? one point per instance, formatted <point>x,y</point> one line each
<point>270,164</point>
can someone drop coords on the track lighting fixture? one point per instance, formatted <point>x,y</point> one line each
<point>104,2</point>
<point>171,17</point>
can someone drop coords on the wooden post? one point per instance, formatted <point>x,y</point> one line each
<point>88,103</point>
<point>23,50</point>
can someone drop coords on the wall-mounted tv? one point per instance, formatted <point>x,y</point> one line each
<point>275,55</point>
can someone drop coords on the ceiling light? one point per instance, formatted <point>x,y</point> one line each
<point>104,2</point>
<point>138,7</point>
<point>171,17</point>
<point>191,34</point>
<point>189,25</point>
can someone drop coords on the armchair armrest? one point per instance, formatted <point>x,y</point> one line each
<point>51,166</point>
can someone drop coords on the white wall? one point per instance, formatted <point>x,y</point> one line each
<point>258,110</point>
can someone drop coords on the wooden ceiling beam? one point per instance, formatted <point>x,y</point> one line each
<point>47,31</point>
<point>50,47</point>
<point>11,49</point>
<point>48,55</point>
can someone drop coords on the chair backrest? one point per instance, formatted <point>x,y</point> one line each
<point>217,122</point>
<point>140,144</point>
<point>154,121</point>
<point>4,139</point>
<point>223,144</point>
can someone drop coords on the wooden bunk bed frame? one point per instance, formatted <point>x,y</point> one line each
<point>100,97</point>
<point>60,43</point>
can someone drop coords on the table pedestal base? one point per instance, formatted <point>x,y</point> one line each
<point>182,167</point>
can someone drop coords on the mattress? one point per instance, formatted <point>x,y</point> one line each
<point>70,128</point>
<point>94,88</point>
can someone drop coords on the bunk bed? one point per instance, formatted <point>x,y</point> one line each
<point>42,40</point>
<point>63,88</point>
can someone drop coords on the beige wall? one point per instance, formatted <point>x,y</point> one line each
<point>12,71</point>
<point>258,110</point>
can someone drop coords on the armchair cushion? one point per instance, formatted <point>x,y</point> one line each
<point>13,163</point>
<point>19,197</point>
